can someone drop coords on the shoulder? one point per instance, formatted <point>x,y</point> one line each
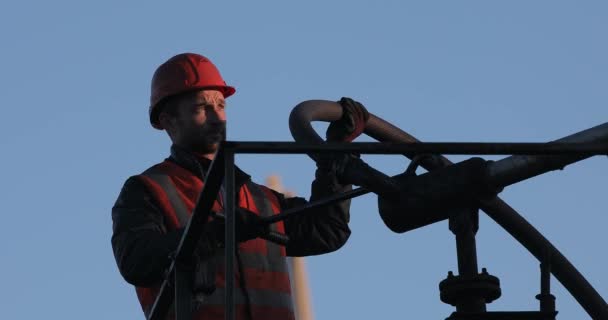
<point>164,167</point>
<point>136,187</point>
<point>133,188</point>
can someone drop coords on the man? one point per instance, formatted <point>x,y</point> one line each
<point>188,102</point>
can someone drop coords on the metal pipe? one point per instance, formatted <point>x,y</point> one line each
<point>466,248</point>
<point>414,148</point>
<point>496,209</point>
<point>515,224</point>
<point>315,204</point>
<point>163,301</point>
<point>183,291</point>
<point>202,209</point>
<point>517,168</point>
<point>546,299</point>
<point>464,225</point>
<point>230,243</point>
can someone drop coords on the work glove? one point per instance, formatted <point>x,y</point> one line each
<point>352,123</point>
<point>248,225</point>
<point>332,168</point>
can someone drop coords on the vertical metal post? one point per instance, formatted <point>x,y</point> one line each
<point>229,207</point>
<point>547,300</point>
<point>183,291</point>
<point>464,225</point>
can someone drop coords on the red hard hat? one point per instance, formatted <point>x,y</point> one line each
<point>184,72</point>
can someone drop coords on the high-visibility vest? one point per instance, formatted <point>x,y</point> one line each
<point>266,290</point>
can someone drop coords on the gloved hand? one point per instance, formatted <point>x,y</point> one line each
<point>332,167</point>
<point>352,123</point>
<point>248,225</point>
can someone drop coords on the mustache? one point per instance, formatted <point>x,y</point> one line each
<point>216,128</point>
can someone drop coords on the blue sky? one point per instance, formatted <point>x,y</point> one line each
<point>74,83</point>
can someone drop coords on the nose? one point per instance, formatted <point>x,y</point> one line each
<point>215,114</point>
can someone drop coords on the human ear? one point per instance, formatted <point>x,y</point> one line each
<point>166,121</point>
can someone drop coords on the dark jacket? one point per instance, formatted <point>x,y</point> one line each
<point>142,243</point>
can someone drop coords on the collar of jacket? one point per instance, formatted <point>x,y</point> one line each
<point>199,166</point>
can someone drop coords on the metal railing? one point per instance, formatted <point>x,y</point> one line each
<point>176,289</point>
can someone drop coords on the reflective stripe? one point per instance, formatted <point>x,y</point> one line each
<point>265,210</point>
<point>263,262</point>
<point>258,297</point>
<point>163,180</point>
<point>204,276</point>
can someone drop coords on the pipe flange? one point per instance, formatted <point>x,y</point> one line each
<point>455,290</point>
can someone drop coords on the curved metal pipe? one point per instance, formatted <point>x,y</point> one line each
<point>514,169</point>
<point>528,236</point>
<point>357,170</point>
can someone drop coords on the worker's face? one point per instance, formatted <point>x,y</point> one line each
<point>200,122</point>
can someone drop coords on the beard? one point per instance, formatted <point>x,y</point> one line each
<point>208,138</point>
